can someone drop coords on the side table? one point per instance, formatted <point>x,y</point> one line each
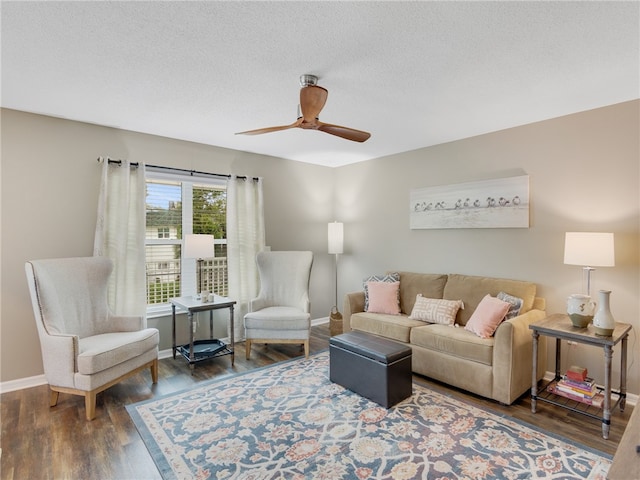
<point>199,350</point>
<point>559,326</point>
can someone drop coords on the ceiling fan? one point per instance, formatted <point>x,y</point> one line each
<point>312,100</point>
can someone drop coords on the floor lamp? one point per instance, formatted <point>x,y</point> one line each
<point>198,246</point>
<point>335,246</point>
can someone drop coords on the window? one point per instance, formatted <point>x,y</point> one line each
<point>176,207</point>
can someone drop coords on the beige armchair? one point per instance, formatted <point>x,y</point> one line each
<point>280,313</point>
<point>85,347</point>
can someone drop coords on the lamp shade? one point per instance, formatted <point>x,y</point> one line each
<point>593,249</point>
<point>198,246</point>
<point>335,237</point>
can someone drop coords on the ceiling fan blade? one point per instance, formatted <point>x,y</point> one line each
<point>344,132</point>
<point>260,131</point>
<point>312,100</point>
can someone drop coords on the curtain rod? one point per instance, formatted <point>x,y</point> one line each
<point>174,169</point>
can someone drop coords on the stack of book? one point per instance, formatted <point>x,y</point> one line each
<point>576,385</point>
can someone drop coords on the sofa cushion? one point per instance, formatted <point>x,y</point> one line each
<point>435,310</point>
<point>395,327</point>
<point>457,342</point>
<point>383,297</point>
<point>516,305</point>
<point>471,289</point>
<point>411,284</point>
<point>388,277</point>
<point>487,316</point>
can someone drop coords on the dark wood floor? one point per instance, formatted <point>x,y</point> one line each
<point>39,442</point>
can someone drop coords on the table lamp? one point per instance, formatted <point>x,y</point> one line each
<point>198,246</point>
<point>589,249</point>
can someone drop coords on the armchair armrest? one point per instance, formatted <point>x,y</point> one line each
<point>59,354</point>
<point>512,356</point>
<point>257,303</point>
<point>127,323</point>
<point>353,303</point>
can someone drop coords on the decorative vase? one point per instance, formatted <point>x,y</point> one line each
<point>580,309</point>
<point>603,321</point>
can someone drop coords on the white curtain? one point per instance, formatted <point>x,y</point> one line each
<point>120,232</point>
<point>245,238</point>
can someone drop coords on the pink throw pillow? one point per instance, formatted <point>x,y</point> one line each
<point>487,316</point>
<point>384,297</point>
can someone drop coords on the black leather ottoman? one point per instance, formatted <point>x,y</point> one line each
<point>374,367</point>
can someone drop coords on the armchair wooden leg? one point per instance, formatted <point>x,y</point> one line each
<point>154,371</point>
<point>53,398</point>
<point>247,347</point>
<point>90,404</point>
<point>306,349</point>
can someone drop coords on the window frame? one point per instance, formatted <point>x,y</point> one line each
<point>187,268</point>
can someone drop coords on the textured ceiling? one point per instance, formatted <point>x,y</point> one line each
<point>414,74</point>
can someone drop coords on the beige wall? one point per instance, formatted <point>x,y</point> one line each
<point>50,180</point>
<point>583,169</point>
<point>584,173</point>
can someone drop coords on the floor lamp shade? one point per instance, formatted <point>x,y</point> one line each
<point>335,237</point>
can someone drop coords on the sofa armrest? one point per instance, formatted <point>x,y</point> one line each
<point>353,303</point>
<point>512,356</point>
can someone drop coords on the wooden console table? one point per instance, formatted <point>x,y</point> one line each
<point>559,327</point>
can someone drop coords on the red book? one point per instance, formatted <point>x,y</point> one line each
<point>577,374</point>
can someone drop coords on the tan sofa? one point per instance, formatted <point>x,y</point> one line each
<point>498,367</point>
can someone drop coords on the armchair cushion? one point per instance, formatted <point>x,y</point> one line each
<point>100,352</point>
<point>277,317</point>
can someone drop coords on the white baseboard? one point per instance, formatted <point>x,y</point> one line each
<point>319,321</point>
<point>21,383</point>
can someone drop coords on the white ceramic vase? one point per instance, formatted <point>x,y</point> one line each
<point>580,309</point>
<point>603,321</point>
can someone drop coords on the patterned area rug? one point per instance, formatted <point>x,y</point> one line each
<point>288,421</point>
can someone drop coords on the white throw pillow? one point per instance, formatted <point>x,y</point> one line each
<point>436,310</point>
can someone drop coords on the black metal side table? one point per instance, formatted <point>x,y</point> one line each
<point>199,350</point>
<point>559,326</point>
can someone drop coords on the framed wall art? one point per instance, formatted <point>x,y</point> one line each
<point>499,203</point>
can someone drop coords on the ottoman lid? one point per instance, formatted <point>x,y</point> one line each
<point>376,348</point>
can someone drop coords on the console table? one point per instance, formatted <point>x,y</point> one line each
<point>559,326</point>
<point>198,350</point>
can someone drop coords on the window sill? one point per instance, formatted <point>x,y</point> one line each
<point>158,311</point>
